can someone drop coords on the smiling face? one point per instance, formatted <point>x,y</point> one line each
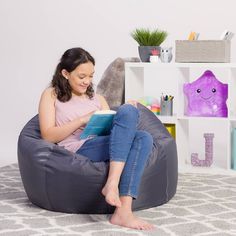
<point>80,78</point>
<point>206,90</point>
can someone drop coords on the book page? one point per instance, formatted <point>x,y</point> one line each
<point>105,112</point>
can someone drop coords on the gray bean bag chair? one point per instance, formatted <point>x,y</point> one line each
<point>58,180</point>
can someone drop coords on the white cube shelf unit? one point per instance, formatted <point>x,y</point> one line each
<point>155,79</point>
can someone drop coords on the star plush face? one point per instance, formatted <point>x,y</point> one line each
<point>206,96</point>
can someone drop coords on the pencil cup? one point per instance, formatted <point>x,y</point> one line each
<point>166,108</point>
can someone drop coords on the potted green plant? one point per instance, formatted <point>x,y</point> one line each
<point>148,40</point>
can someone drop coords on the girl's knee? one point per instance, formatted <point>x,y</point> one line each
<point>128,111</point>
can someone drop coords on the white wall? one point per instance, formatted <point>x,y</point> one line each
<point>35,33</point>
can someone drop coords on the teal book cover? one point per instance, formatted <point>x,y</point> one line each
<point>99,124</point>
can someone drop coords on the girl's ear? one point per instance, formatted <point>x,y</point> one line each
<point>65,73</point>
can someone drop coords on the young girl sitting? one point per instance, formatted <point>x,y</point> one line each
<point>64,110</point>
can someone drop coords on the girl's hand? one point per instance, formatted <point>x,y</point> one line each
<point>132,102</point>
<point>85,119</point>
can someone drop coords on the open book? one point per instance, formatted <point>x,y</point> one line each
<point>99,124</point>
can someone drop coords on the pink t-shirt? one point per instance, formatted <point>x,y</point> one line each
<point>68,111</point>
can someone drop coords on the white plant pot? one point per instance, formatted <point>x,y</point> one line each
<point>154,59</point>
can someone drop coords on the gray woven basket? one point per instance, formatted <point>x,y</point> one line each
<point>202,51</point>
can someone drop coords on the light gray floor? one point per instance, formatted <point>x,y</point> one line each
<point>205,204</point>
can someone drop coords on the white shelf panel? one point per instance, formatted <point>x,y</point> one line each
<point>167,119</point>
<point>201,118</point>
<point>206,170</point>
<point>180,65</point>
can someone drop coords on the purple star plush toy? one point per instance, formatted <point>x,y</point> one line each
<point>206,96</point>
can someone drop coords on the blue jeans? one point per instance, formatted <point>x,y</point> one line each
<point>124,144</point>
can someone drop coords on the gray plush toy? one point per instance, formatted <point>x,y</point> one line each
<point>112,83</point>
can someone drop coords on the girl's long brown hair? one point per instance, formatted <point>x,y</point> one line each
<point>69,61</point>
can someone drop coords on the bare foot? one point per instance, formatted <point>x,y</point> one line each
<point>129,220</point>
<point>111,193</point>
